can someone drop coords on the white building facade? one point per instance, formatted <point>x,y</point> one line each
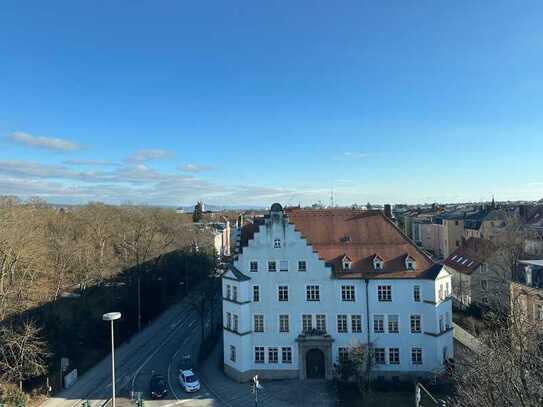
<point>310,284</point>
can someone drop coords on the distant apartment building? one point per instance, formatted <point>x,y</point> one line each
<point>477,275</point>
<point>527,289</point>
<point>531,218</point>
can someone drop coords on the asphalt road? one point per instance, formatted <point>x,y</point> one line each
<point>157,348</point>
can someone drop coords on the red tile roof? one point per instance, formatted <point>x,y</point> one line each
<point>470,255</point>
<point>360,235</point>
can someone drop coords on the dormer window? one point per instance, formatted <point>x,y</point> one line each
<point>277,243</point>
<point>377,263</point>
<point>410,263</point>
<point>346,263</point>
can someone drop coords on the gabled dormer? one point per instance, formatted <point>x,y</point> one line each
<point>410,263</point>
<point>378,263</point>
<point>346,263</point>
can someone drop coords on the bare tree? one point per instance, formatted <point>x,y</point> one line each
<point>23,353</point>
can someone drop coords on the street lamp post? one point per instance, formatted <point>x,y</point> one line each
<point>112,316</point>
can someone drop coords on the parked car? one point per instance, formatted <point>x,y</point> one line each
<point>189,381</point>
<point>158,386</point>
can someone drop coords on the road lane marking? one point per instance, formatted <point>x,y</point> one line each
<point>159,347</point>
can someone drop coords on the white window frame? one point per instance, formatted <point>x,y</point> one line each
<point>235,322</point>
<point>386,291</point>
<point>277,243</point>
<point>384,350</point>
<point>382,319</point>
<point>359,327</point>
<point>417,293</point>
<point>260,349</point>
<point>344,323</point>
<point>312,293</point>
<point>257,287</point>
<point>232,353</point>
<point>288,351</point>
<point>270,262</point>
<point>411,324</point>
<point>348,293</point>
<point>390,362</point>
<point>281,264</point>
<point>419,350</point>
<point>302,322</point>
<point>322,317</point>
<point>255,324</point>
<point>279,292</point>
<point>287,323</point>
<point>251,266</point>
<point>397,323</point>
<point>304,268</point>
<point>273,350</point>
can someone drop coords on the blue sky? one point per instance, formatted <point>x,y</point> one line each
<point>167,102</point>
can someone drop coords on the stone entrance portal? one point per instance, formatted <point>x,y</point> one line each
<point>315,356</point>
<point>315,364</point>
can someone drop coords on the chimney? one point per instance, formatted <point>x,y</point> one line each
<point>388,211</point>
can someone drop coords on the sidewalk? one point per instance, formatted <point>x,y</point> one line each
<point>277,393</point>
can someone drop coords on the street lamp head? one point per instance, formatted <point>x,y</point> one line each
<point>111,316</point>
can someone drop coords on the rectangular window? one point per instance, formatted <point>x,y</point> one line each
<point>259,354</point>
<point>236,321</point>
<point>232,353</point>
<point>228,291</point>
<point>283,265</point>
<point>228,320</point>
<point>256,293</point>
<point>286,354</point>
<point>441,293</point>
<point>384,293</point>
<point>272,266</point>
<point>416,356</point>
<point>253,266</point>
<point>415,324</point>
<point>347,293</point>
<point>343,354</point>
<point>234,293</point>
<point>447,292</point>
<point>302,266</point>
<point>283,293</point>
<point>320,320</point>
<point>342,323</point>
<point>447,321</point>
<point>307,322</point>
<point>393,324</point>
<point>379,356</point>
<point>416,293</point>
<point>258,322</point>
<point>356,323</point>
<point>539,312</point>
<point>394,356</point>
<point>441,324</point>
<point>378,323</point>
<point>277,243</point>
<point>312,293</point>
<point>283,323</point>
<point>483,284</point>
<point>273,355</point>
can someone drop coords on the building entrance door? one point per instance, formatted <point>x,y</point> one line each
<point>315,364</point>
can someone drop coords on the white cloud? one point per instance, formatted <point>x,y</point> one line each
<point>48,143</point>
<point>148,154</point>
<point>196,168</point>
<point>89,162</point>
